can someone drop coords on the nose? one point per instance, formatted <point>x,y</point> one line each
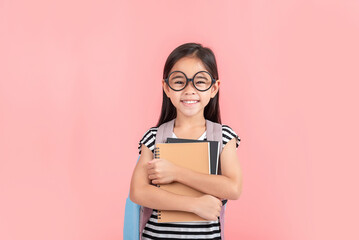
<point>190,88</point>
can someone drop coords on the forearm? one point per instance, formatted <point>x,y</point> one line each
<point>156,198</point>
<point>216,185</point>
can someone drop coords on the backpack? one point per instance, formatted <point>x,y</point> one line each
<point>136,216</point>
<point>131,224</point>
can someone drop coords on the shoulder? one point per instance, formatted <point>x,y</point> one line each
<point>228,134</point>
<point>148,138</point>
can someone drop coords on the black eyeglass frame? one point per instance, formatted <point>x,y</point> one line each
<point>190,80</point>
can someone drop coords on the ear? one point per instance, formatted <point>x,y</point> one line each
<point>165,88</point>
<point>215,88</point>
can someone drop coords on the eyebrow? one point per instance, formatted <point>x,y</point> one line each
<point>187,75</point>
<point>178,76</point>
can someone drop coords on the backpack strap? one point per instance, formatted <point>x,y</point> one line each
<point>214,133</point>
<point>163,132</point>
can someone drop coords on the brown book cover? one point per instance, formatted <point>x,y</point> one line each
<point>194,156</point>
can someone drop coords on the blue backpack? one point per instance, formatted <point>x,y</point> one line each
<point>131,226</point>
<point>136,216</point>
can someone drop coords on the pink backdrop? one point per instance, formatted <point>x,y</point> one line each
<point>80,84</point>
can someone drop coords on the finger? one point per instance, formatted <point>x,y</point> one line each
<point>152,161</point>
<point>152,176</point>
<point>150,165</point>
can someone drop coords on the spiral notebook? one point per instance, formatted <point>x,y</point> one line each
<point>194,156</point>
<point>215,164</point>
<point>214,152</point>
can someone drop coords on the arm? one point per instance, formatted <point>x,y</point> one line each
<point>225,186</point>
<point>142,193</point>
<point>145,194</point>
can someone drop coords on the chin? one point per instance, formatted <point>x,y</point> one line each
<point>190,113</point>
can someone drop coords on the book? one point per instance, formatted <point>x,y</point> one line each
<point>214,155</point>
<point>214,151</point>
<point>192,155</point>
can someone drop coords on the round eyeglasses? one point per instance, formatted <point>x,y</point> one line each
<point>178,80</point>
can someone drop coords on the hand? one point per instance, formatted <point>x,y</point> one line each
<point>207,207</point>
<point>161,171</point>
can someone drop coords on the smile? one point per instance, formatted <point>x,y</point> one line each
<point>189,103</point>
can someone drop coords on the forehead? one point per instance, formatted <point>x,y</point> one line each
<point>189,65</point>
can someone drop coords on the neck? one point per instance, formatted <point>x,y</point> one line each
<point>184,122</point>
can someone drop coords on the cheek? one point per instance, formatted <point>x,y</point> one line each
<point>174,100</point>
<point>205,102</point>
<point>175,97</point>
<point>206,97</point>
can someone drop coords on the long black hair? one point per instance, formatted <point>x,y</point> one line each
<point>206,55</point>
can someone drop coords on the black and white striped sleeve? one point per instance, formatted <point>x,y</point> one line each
<point>228,134</point>
<point>148,139</point>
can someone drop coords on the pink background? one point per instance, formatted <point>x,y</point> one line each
<point>80,84</point>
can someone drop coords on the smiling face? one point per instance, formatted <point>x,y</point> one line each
<point>190,66</point>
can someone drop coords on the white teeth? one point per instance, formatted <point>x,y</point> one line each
<point>190,101</point>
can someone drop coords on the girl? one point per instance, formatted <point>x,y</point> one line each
<point>189,104</point>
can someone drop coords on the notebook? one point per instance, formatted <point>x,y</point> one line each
<point>192,155</point>
<point>215,167</point>
<point>214,151</point>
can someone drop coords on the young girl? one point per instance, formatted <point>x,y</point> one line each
<point>190,96</point>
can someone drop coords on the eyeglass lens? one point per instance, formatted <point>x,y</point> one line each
<point>202,80</point>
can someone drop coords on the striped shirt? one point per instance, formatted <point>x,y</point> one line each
<point>182,230</point>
